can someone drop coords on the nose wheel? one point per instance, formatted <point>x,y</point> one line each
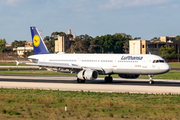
<point>151,81</point>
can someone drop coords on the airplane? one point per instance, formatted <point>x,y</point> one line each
<point>89,66</point>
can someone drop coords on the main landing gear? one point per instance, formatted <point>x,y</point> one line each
<point>151,81</point>
<point>108,79</point>
<point>80,81</point>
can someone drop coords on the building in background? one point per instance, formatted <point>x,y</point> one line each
<point>7,45</point>
<point>63,43</point>
<point>20,50</point>
<point>152,46</point>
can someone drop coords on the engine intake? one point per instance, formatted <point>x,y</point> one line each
<point>130,76</point>
<point>87,74</point>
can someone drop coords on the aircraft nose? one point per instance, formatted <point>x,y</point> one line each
<point>167,68</point>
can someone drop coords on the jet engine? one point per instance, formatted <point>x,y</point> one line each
<point>128,76</point>
<point>87,74</point>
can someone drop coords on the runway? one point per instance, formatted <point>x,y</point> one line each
<point>70,84</point>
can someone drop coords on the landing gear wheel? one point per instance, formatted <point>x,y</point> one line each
<point>80,81</point>
<point>108,79</point>
<point>151,82</point>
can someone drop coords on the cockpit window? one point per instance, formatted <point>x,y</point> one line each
<point>161,61</point>
<point>154,61</point>
<point>158,61</point>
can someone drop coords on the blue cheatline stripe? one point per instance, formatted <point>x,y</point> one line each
<point>38,43</point>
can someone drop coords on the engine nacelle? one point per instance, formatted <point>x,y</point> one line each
<point>128,76</point>
<point>87,74</point>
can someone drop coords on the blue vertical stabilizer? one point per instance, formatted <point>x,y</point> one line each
<point>38,43</point>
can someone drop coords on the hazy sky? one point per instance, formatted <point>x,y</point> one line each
<point>139,18</point>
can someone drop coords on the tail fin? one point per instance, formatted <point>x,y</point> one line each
<point>38,43</point>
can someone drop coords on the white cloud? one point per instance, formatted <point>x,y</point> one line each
<point>12,2</point>
<point>127,3</point>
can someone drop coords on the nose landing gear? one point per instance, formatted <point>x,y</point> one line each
<point>151,81</point>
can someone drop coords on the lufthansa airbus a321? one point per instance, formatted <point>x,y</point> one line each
<point>89,66</point>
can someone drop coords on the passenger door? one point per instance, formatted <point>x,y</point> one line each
<point>144,64</point>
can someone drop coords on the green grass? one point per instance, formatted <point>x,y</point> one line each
<point>50,104</point>
<point>174,65</point>
<point>13,64</point>
<point>170,75</point>
<point>37,72</point>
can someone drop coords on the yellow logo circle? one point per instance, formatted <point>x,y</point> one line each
<point>36,40</point>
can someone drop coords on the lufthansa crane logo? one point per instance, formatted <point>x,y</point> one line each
<point>36,40</point>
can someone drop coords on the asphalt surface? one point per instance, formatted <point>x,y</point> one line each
<point>70,84</point>
<point>72,80</point>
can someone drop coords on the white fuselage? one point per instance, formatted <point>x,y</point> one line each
<point>109,63</point>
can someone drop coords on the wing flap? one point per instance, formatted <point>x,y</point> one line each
<point>57,65</point>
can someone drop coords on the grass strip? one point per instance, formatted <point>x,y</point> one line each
<point>37,72</point>
<point>50,104</point>
<point>174,65</point>
<point>13,64</point>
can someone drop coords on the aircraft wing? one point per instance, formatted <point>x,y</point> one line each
<point>64,66</point>
<point>57,65</point>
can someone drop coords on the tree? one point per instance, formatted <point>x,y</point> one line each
<point>69,35</point>
<point>55,35</point>
<point>137,38</point>
<point>50,40</point>
<point>167,52</point>
<point>111,43</point>
<point>2,45</point>
<point>155,39</point>
<point>177,37</point>
<point>81,44</point>
<point>92,47</point>
<point>126,47</point>
<point>16,43</point>
<point>46,39</point>
<point>50,43</point>
<point>62,33</point>
<point>28,53</point>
